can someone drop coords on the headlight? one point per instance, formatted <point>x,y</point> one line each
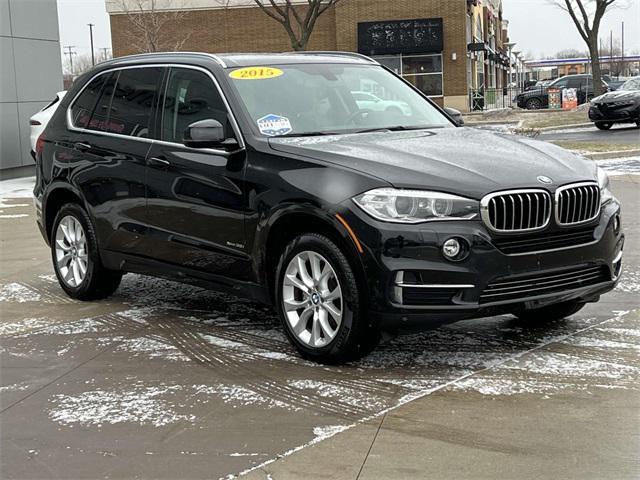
<point>416,206</point>
<point>603,182</point>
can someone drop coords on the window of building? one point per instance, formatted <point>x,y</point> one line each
<point>191,96</point>
<point>423,71</point>
<point>133,99</point>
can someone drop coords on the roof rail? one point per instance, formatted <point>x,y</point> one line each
<point>216,58</point>
<point>338,54</point>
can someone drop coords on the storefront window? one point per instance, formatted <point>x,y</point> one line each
<point>423,71</point>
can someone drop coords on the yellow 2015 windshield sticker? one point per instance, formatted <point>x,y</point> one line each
<point>256,73</point>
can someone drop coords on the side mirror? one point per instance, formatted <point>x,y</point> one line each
<point>455,115</point>
<point>207,133</point>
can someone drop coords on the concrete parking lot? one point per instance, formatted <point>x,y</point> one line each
<point>170,381</point>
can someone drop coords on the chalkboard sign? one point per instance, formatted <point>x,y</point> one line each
<point>400,36</point>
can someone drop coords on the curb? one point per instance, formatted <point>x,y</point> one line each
<point>565,127</point>
<point>614,154</point>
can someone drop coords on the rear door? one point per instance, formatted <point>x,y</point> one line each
<point>195,197</point>
<point>113,144</point>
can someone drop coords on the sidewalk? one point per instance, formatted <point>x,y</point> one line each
<point>498,431</point>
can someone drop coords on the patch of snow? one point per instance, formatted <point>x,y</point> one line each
<point>17,187</point>
<point>17,215</point>
<point>18,293</point>
<point>152,348</point>
<point>22,326</point>
<point>621,166</point>
<point>239,395</point>
<point>328,431</point>
<point>143,406</point>
<point>552,363</point>
<point>15,387</point>
<point>630,282</point>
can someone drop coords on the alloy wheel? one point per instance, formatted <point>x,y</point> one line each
<point>72,256</point>
<point>312,299</point>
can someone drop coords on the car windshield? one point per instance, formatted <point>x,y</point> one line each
<point>322,99</point>
<point>632,84</point>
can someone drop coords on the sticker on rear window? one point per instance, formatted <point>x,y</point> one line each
<point>256,73</point>
<point>272,125</point>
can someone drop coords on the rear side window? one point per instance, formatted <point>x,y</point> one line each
<point>191,96</point>
<point>131,106</point>
<point>83,107</point>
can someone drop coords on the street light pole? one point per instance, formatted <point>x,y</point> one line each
<point>93,57</point>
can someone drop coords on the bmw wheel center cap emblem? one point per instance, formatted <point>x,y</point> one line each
<point>545,180</point>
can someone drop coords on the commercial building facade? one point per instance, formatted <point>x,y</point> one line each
<point>30,75</point>
<point>444,47</point>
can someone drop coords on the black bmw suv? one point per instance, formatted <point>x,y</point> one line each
<point>262,175</point>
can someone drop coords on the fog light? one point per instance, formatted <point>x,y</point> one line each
<point>451,248</point>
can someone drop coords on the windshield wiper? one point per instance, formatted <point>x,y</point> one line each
<point>397,128</point>
<point>307,134</point>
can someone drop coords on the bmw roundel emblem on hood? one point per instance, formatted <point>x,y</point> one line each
<point>545,180</point>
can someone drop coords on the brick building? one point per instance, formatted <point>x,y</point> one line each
<point>444,47</point>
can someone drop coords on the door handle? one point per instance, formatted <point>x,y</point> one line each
<point>159,162</point>
<point>82,147</point>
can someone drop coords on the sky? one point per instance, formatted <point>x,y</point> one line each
<point>539,28</point>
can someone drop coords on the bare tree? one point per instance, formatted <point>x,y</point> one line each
<point>149,25</point>
<point>298,18</point>
<point>587,15</point>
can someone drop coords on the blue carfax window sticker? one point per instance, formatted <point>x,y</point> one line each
<point>273,125</point>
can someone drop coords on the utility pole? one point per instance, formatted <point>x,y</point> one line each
<point>93,57</point>
<point>611,54</point>
<point>105,53</point>
<point>622,50</point>
<point>71,52</point>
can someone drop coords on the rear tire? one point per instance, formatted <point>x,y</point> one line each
<point>550,313</point>
<point>76,260</point>
<point>320,302</point>
<point>604,125</point>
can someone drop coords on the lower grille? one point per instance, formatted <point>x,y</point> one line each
<point>541,284</point>
<point>540,242</point>
<point>428,296</point>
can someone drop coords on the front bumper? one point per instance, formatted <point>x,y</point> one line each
<point>463,289</point>
<point>629,113</point>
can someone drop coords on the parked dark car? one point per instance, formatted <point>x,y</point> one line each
<point>538,97</point>
<point>611,83</point>
<point>621,106</point>
<point>259,175</point>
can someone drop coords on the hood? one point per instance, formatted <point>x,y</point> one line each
<point>618,96</point>
<point>463,161</point>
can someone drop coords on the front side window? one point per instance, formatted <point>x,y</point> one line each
<point>309,99</point>
<point>129,112</point>
<point>191,96</point>
<point>83,106</point>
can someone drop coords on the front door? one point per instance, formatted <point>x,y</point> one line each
<point>195,197</point>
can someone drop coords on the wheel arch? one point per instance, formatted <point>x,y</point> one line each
<point>289,223</point>
<point>54,200</point>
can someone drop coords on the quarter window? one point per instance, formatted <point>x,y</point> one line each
<point>83,106</point>
<point>130,109</point>
<point>191,96</point>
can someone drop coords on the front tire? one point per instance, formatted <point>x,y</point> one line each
<point>604,125</point>
<point>76,261</point>
<point>533,104</point>
<point>320,302</point>
<point>550,313</point>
